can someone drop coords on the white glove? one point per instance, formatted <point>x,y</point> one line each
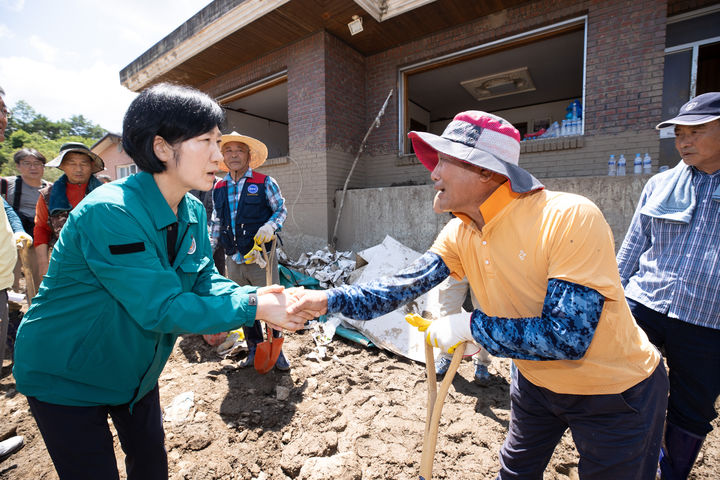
<point>22,238</point>
<point>447,332</point>
<point>265,234</point>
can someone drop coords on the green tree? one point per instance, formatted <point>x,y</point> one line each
<point>29,129</point>
<point>25,117</point>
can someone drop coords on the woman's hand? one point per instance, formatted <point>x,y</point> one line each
<point>272,309</point>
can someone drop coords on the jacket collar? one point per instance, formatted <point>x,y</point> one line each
<point>161,213</point>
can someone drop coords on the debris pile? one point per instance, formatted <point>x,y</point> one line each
<point>331,269</point>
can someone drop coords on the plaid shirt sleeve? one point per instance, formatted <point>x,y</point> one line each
<point>214,228</point>
<point>277,203</point>
<point>636,242</point>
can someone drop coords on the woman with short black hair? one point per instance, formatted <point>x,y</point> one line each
<point>131,270</point>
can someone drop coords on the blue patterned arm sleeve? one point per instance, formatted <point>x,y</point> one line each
<point>570,315</point>
<point>376,298</point>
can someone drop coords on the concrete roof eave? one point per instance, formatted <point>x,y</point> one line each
<point>219,20</point>
<point>383,10</point>
<point>136,77</point>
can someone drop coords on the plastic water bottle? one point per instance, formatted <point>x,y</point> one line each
<point>621,166</point>
<point>612,168</point>
<point>647,164</point>
<point>637,164</point>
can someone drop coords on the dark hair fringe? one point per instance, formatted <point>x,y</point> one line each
<point>28,152</point>
<point>173,112</point>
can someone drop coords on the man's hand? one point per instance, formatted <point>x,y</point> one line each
<point>309,303</point>
<point>265,234</point>
<point>22,240</point>
<point>446,333</point>
<point>255,256</point>
<point>272,309</point>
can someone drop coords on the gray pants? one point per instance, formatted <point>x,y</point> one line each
<point>244,274</point>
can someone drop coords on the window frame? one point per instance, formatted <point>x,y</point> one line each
<point>460,55</point>
<point>129,166</point>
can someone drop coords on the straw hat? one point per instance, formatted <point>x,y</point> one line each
<point>258,150</point>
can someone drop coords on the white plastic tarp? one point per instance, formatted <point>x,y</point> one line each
<point>391,331</point>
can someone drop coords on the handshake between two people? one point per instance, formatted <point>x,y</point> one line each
<point>289,309</point>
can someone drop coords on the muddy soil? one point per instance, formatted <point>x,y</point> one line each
<point>358,414</point>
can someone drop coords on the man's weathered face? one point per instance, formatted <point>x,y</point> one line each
<point>460,186</point>
<point>4,113</point>
<point>77,166</point>
<point>237,156</point>
<point>699,145</point>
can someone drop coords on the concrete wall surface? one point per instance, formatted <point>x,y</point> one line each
<point>405,213</point>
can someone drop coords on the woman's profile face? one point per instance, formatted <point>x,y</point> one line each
<point>196,160</point>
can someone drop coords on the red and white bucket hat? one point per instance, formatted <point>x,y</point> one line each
<point>481,139</point>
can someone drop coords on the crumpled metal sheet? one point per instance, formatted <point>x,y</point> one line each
<point>391,331</point>
<point>331,269</point>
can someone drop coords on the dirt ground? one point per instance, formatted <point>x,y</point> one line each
<point>358,414</point>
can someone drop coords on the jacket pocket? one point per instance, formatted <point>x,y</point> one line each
<point>190,269</point>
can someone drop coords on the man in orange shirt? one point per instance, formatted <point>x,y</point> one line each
<point>57,200</point>
<point>542,267</point>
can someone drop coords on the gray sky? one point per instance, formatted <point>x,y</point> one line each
<point>64,57</point>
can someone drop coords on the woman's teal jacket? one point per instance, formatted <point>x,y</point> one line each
<point>111,306</point>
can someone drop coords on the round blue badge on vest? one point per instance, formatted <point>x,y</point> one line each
<point>252,188</point>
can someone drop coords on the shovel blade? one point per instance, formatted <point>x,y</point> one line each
<point>267,353</point>
<point>263,355</point>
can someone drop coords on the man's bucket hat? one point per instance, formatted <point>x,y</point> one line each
<point>481,139</point>
<point>98,164</point>
<point>258,150</point>
<point>701,109</point>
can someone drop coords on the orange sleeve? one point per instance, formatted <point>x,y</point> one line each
<point>42,232</point>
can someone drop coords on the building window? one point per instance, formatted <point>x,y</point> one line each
<point>260,110</point>
<point>535,80</point>
<point>692,63</point>
<point>126,170</point>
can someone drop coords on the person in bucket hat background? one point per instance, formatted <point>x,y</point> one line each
<point>670,267</point>
<point>542,267</point>
<point>57,200</point>
<point>248,211</point>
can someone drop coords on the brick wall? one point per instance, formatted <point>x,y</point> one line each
<point>625,59</point>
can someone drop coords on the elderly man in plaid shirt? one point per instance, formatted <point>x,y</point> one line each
<point>670,268</point>
<point>249,209</point>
